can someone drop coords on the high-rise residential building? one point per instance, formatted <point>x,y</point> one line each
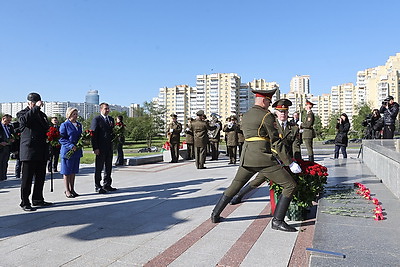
<point>133,110</point>
<point>176,100</point>
<point>344,99</point>
<point>92,97</point>
<point>381,81</point>
<point>300,84</point>
<point>323,108</point>
<point>214,93</point>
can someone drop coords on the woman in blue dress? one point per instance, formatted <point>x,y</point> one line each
<point>70,131</point>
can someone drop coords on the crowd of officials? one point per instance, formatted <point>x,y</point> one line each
<point>265,141</point>
<point>29,140</point>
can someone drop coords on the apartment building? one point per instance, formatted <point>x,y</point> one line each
<point>380,81</point>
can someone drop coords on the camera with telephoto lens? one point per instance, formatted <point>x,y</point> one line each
<point>385,101</point>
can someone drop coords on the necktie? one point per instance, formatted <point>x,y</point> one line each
<point>6,131</point>
<point>283,126</point>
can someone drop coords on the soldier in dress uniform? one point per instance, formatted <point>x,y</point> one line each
<point>189,140</point>
<point>215,136</point>
<point>174,135</point>
<point>200,129</point>
<point>288,132</point>
<point>297,143</point>
<point>240,135</point>
<point>231,132</point>
<point>308,130</point>
<point>262,137</point>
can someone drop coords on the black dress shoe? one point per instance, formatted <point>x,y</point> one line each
<point>101,191</point>
<point>41,203</point>
<point>109,188</point>
<point>75,194</point>
<point>70,195</point>
<point>28,208</point>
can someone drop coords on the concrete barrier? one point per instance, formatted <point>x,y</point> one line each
<point>182,155</point>
<point>383,158</point>
<point>133,161</point>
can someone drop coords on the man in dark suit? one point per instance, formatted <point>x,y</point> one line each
<point>34,152</point>
<point>102,127</point>
<point>54,150</point>
<point>6,140</point>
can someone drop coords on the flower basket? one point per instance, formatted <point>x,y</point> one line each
<point>310,183</point>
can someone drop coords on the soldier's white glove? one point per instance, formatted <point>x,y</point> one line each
<point>294,167</point>
<point>171,130</point>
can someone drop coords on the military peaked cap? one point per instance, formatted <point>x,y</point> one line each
<point>264,93</point>
<point>308,102</point>
<point>200,113</point>
<point>282,104</point>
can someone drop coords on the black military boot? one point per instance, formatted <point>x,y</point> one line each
<point>238,198</point>
<point>278,222</point>
<point>221,204</point>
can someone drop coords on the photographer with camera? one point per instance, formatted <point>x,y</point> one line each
<point>374,124</point>
<point>341,139</point>
<point>390,109</point>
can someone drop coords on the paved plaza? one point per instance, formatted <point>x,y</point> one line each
<point>159,216</point>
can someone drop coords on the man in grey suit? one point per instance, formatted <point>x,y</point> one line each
<point>102,127</point>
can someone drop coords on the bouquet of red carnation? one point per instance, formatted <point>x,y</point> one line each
<point>84,140</point>
<point>119,134</point>
<point>53,135</point>
<point>310,182</point>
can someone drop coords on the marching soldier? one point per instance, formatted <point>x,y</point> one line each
<point>308,130</point>
<point>288,132</point>
<point>174,135</point>
<point>262,138</point>
<point>200,129</point>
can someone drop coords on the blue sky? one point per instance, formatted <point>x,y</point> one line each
<point>128,49</point>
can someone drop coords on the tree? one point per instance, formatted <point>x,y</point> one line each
<point>363,112</point>
<point>147,125</point>
<point>319,132</point>
<point>331,128</point>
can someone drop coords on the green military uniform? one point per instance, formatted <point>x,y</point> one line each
<point>215,137</point>
<point>309,133</point>
<point>200,130</point>
<point>289,135</point>
<point>174,134</point>
<point>261,141</point>
<point>231,130</point>
<point>189,143</point>
<point>240,139</point>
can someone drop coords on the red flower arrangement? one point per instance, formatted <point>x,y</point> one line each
<point>310,182</point>
<point>53,135</point>
<point>84,140</point>
<point>366,193</point>
<point>119,134</point>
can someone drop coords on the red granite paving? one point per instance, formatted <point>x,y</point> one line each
<point>304,240</point>
<point>241,248</point>
<point>174,251</point>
